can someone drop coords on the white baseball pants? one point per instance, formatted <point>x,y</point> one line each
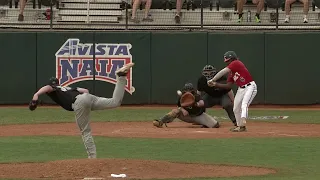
<point>85,103</point>
<point>242,101</point>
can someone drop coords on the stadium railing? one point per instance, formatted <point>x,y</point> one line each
<point>116,14</point>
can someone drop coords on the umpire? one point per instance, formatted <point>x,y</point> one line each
<point>216,96</point>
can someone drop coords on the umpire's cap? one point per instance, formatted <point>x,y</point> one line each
<point>229,56</point>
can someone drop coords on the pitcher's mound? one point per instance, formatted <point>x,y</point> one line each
<point>138,169</point>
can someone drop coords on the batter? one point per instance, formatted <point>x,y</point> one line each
<point>247,88</point>
<point>82,103</point>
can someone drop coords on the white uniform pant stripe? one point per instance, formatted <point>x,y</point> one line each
<point>250,93</point>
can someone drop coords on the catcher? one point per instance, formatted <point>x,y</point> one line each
<point>190,109</point>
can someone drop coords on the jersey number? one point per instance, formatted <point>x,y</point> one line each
<point>236,76</point>
<point>64,88</point>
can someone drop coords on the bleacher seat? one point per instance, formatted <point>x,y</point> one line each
<point>274,4</point>
<point>161,4</point>
<point>99,11</point>
<point>197,4</point>
<point>47,2</point>
<point>226,4</point>
<point>112,13</point>
<point>4,2</point>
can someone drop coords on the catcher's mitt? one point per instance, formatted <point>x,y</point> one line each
<point>187,99</point>
<point>33,104</point>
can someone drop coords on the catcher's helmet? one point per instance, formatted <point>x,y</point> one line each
<point>188,87</point>
<point>53,81</point>
<point>230,56</point>
<point>209,71</point>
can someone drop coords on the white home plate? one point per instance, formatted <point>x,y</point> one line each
<point>201,131</point>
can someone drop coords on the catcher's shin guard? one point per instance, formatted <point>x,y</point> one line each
<point>167,118</point>
<point>158,123</point>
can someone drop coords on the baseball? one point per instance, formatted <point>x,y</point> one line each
<point>179,92</point>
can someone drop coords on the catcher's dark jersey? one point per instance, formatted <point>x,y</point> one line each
<point>64,96</point>
<point>194,110</point>
<point>212,91</point>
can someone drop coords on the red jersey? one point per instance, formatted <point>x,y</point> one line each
<point>239,73</point>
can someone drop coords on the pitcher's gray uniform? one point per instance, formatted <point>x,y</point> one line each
<point>82,103</point>
<point>193,114</point>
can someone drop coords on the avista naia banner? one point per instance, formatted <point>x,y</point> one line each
<point>74,62</point>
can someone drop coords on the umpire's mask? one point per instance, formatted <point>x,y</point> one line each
<point>209,71</point>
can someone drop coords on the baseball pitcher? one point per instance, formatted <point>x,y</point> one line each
<point>216,96</point>
<point>247,88</point>
<point>190,109</point>
<point>82,103</point>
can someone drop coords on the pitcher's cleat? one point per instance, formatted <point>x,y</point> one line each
<point>124,70</point>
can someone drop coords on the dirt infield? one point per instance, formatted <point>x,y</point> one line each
<point>142,169</point>
<point>254,106</point>
<point>135,169</point>
<point>174,130</point>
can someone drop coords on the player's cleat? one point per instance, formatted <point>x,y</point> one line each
<point>124,70</point>
<point>239,129</point>
<point>240,19</point>
<point>305,20</point>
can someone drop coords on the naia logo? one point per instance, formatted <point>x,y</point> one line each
<point>74,62</point>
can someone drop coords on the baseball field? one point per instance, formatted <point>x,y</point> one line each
<point>280,144</point>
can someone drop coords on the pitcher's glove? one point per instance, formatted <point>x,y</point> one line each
<point>187,99</point>
<point>33,104</point>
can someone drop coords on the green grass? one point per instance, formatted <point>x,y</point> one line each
<point>293,157</point>
<point>57,115</point>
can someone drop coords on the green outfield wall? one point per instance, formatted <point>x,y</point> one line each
<point>283,71</point>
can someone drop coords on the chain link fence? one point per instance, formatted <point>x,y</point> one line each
<point>159,14</point>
